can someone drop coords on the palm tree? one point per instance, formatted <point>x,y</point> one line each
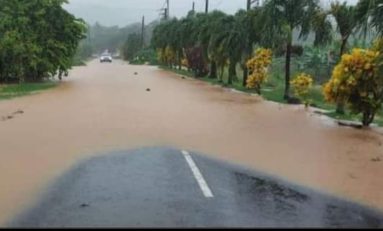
<point>281,18</point>
<point>345,19</point>
<point>206,27</point>
<point>229,41</point>
<point>250,22</point>
<point>370,13</point>
<point>346,22</point>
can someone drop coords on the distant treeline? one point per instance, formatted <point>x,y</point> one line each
<point>115,39</point>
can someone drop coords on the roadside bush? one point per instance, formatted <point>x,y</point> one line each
<point>145,56</point>
<point>358,81</point>
<point>302,85</point>
<point>258,68</point>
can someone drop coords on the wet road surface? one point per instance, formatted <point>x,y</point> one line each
<point>165,187</point>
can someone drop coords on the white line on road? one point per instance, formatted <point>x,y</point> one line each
<point>198,176</point>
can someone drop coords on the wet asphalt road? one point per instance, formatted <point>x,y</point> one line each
<point>155,187</point>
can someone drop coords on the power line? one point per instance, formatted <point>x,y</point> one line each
<point>218,4</point>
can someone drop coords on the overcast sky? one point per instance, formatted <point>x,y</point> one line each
<point>124,12</point>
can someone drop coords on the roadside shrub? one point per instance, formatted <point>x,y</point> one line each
<point>358,81</point>
<point>302,85</point>
<point>145,56</point>
<point>258,68</point>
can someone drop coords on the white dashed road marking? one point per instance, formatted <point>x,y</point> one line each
<point>198,176</point>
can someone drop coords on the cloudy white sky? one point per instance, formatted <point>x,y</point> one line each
<point>123,12</point>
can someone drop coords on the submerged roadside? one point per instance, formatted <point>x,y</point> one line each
<point>274,92</point>
<point>9,91</point>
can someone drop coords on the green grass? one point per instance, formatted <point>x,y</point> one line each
<point>16,90</point>
<point>273,90</point>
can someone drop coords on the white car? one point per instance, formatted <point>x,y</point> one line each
<point>106,58</point>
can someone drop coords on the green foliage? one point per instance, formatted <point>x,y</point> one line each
<point>345,17</point>
<point>282,17</point>
<point>16,90</point>
<point>145,56</point>
<point>315,61</point>
<point>370,14</point>
<point>84,52</point>
<point>37,39</point>
<point>131,47</point>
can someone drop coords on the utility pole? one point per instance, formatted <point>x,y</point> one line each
<point>143,32</point>
<point>250,3</point>
<point>167,9</point>
<point>207,6</point>
<point>193,8</point>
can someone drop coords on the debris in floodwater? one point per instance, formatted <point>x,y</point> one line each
<point>18,112</point>
<point>377,159</point>
<point>352,176</point>
<point>135,73</point>
<point>8,117</point>
<point>148,89</point>
<point>84,205</point>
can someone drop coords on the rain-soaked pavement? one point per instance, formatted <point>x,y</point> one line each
<point>155,187</point>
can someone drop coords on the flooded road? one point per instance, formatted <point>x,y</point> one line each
<point>106,107</point>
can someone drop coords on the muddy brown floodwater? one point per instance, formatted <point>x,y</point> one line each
<point>104,107</point>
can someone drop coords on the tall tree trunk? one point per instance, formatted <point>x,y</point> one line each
<point>287,70</point>
<point>340,104</point>
<point>343,46</point>
<point>368,117</point>
<point>245,76</point>
<point>179,60</point>
<point>249,52</point>
<point>213,70</point>
<point>221,74</point>
<point>232,73</point>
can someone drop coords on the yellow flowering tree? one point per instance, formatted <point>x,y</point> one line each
<point>185,63</point>
<point>161,55</point>
<point>167,56</point>
<point>358,81</point>
<point>258,67</point>
<point>302,85</point>
<point>170,56</point>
